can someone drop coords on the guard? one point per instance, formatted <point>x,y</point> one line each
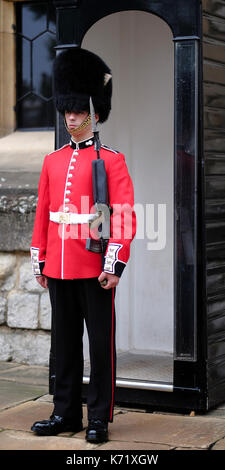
<point>72,253</point>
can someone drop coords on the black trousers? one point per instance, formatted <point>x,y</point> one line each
<point>74,301</point>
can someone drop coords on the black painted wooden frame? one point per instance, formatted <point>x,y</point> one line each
<point>74,18</point>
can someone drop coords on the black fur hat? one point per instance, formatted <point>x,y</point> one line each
<point>79,74</point>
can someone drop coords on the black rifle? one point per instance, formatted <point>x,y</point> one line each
<point>100,196</point>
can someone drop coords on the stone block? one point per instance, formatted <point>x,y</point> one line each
<point>28,347</point>
<point>45,311</point>
<point>17,213</point>
<point>7,264</point>
<point>3,304</point>
<point>32,348</point>
<point>5,345</point>
<point>23,310</point>
<point>27,280</point>
<point>9,283</point>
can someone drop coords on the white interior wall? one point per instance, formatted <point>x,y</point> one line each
<point>138,47</point>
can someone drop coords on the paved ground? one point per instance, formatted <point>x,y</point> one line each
<point>24,398</point>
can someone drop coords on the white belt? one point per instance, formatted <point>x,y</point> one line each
<point>71,217</point>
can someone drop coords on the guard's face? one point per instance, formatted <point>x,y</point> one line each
<point>74,120</point>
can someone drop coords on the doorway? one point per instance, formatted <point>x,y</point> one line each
<point>138,47</point>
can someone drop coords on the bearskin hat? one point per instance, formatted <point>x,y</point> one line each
<point>79,74</point>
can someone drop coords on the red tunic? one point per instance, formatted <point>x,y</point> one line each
<point>58,249</point>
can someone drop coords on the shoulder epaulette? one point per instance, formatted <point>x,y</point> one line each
<point>54,151</point>
<point>108,148</point>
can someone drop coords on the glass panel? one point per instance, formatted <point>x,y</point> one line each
<point>33,19</point>
<point>32,110</point>
<point>34,64</point>
<point>24,52</point>
<point>43,55</point>
<point>51,18</point>
<point>186,56</point>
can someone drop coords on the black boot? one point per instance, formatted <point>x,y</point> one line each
<point>54,425</point>
<point>97,430</point>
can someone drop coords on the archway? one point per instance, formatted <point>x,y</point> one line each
<point>139,48</point>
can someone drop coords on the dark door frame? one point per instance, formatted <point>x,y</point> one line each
<point>189,381</point>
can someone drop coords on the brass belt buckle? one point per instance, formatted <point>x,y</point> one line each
<point>64,218</point>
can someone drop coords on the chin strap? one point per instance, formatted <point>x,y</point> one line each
<point>82,126</point>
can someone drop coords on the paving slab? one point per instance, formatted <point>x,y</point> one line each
<point>24,399</point>
<point>22,417</point>
<point>20,440</point>
<point>34,375</point>
<point>46,398</point>
<point>175,431</point>
<point>219,445</point>
<point>124,445</point>
<point>191,448</point>
<point>14,393</point>
<point>4,365</point>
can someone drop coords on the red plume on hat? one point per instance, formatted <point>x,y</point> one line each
<point>79,74</point>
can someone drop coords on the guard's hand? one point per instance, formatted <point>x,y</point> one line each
<point>43,281</point>
<point>108,281</point>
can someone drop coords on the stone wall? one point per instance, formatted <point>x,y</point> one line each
<point>24,305</point>
<point>25,313</point>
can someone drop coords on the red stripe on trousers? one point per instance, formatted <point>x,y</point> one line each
<point>112,364</point>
